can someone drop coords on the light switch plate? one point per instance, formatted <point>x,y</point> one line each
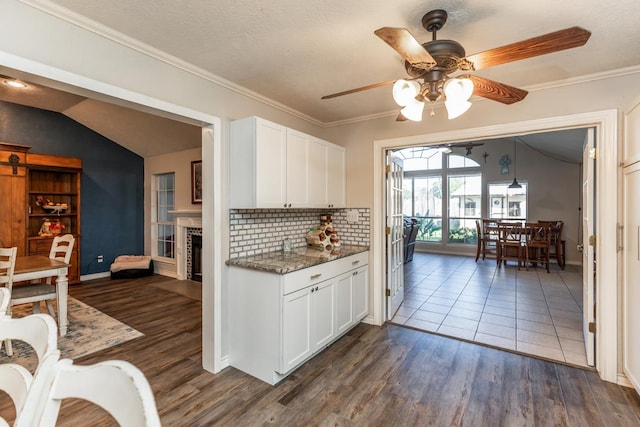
<point>352,216</point>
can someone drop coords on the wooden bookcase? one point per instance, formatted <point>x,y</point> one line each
<point>56,179</point>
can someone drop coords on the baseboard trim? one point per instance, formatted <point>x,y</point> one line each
<point>624,381</point>
<point>95,276</point>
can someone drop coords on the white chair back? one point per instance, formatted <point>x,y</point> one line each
<point>40,332</point>
<point>61,248</point>
<point>115,385</point>
<point>7,266</point>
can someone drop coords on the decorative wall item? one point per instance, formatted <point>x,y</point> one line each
<point>196,181</point>
<point>505,161</point>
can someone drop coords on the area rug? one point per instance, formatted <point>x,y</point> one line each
<point>89,330</point>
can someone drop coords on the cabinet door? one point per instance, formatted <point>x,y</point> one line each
<point>360,300</point>
<point>323,322</point>
<point>271,151</point>
<point>13,188</point>
<point>344,305</point>
<point>296,328</point>
<point>297,169</point>
<point>336,176</point>
<point>317,173</point>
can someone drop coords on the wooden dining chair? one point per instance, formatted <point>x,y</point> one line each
<point>511,243</point>
<point>61,249</point>
<point>116,386</point>
<point>538,244</point>
<point>557,243</point>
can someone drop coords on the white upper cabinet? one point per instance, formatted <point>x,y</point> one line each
<point>297,176</point>
<point>326,175</point>
<point>276,167</point>
<point>336,176</point>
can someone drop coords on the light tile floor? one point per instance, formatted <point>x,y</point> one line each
<point>532,312</point>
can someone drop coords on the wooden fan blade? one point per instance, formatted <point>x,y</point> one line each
<point>496,91</point>
<point>541,45</point>
<point>401,40</point>
<point>401,118</point>
<point>359,89</point>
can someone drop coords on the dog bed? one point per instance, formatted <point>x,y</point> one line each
<point>131,266</point>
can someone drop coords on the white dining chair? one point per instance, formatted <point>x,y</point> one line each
<point>7,267</point>
<point>40,332</point>
<point>61,249</point>
<point>117,386</point>
<point>5,300</point>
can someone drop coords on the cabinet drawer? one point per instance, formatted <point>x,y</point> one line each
<point>40,246</point>
<point>309,276</point>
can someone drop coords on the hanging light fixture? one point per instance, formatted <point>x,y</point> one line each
<point>515,183</point>
<point>457,93</point>
<point>405,91</point>
<point>410,95</point>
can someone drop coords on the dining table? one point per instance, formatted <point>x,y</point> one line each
<point>32,267</point>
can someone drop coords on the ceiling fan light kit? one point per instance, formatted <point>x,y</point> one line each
<point>405,91</point>
<point>413,110</point>
<point>434,61</point>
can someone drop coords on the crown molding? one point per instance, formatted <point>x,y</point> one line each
<point>80,21</point>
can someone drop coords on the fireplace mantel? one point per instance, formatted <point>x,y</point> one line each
<point>184,219</point>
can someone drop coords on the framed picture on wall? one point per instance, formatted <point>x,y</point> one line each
<point>196,181</point>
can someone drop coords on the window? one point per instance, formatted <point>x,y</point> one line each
<point>507,203</point>
<point>422,198</point>
<point>465,195</point>
<point>427,182</point>
<point>163,231</point>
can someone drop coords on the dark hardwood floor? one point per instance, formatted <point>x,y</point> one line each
<point>374,376</point>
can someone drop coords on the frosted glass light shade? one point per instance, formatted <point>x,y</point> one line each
<point>457,93</point>
<point>405,92</point>
<point>456,109</point>
<point>413,111</point>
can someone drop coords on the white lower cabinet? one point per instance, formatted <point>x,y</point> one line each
<point>308,323</point>
<point>274,327</point>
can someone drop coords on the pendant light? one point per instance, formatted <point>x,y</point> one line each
<point>515,183</point>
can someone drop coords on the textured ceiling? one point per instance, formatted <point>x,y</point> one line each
<point>294,52</point>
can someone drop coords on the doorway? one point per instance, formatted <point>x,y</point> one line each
<point>605,125</point>
<point>526,310</point>
<point>212,173</point>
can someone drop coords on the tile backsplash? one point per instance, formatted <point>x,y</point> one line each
<point>255,231</point>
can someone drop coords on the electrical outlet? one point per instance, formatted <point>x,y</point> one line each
<point>352,216</point>
<point>100,258</point>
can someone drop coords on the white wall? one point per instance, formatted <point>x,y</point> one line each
<point>179,163</point>
<point>39,43</point>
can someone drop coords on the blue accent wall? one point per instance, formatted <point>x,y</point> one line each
<point>112,205</point>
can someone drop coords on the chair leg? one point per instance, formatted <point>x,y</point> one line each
<point>50,308</point>
<point>8,348</point>
<point>36,307</point>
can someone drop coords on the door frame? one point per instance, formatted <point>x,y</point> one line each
<point>605,123</point>
<point>212,167</point>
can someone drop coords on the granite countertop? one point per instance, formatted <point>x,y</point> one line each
<point>299,258</point>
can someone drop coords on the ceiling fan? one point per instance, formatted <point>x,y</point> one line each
<point>430,65</point>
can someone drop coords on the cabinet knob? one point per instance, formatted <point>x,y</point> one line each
<point>316,289</point>
<point>355,272</point>
<point>315,276</point>
<point>312,290</point>
<point>285,205</point>
<point>355,262</point>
